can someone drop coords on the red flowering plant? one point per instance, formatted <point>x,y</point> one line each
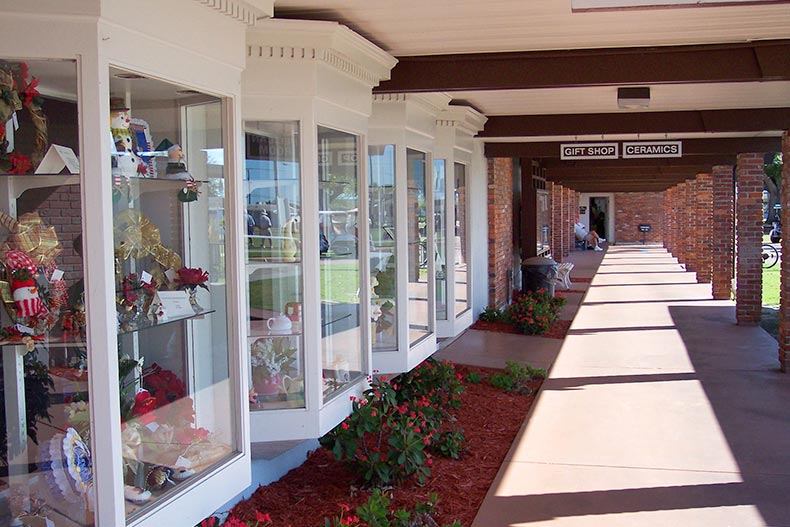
<point>190,278</point>
<point>376,512</point>
<point>532,312</point>
<point>396,426</point>
<point>18,91</point>
<point>261,520</point>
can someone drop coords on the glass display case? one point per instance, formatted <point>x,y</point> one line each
<point>168,202</point>
<point>462,284</point>
<point>45,469</point>
<point>440,237</point>
<point>273,184</point>
<point>383,248</point>
<point>421,247</point>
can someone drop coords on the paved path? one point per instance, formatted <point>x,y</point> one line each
<point>658,411</point>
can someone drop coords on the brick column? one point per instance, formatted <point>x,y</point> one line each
<point>691,225</point>
<point>749,235</point>
<point>784,284</point>
<point>680,218</point>
<point>558,232</point>
<point>669,215</point>
<point>500,229</point>
<point>704,226</point>
<point>570,219</point>
<point>723,232</point>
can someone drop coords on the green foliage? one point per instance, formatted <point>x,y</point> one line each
<point>395,425</point>
<point>491,314</point>
<point>473,377</point>
<point>376,513</point>
<point>450,444</point>
<point>532,312</point>
<point>516,378</point>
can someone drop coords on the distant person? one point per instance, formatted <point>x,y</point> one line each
<point>590,238</point>
<point>250,226</point>
<point>265,227</point>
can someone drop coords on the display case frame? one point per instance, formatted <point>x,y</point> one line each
<point>456,128</point>
<point>97,36</point>
<point>408,121</point>
<point>324,81</point>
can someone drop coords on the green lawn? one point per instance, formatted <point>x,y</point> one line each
<point>771,286</point>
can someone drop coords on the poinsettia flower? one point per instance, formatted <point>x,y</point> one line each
<point>20,163</point>
<point>30,91</point>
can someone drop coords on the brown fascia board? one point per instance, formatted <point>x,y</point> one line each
<point>645,173</point>
<point>694,159</point>
<point>729,62</point>
<point>621,187</point>
<point>695,121</point>
<point>718,145</point>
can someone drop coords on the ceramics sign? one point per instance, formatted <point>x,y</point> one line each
<point>652,149</point>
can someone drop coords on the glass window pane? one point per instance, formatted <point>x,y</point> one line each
<point>44,414</point>
<point>272,193</point>
<point>168,205</point>
<point>462,285</point>
<point>420,324</point>
<point>440,237</point>
<point>383,250</point>
<point>338,201</point>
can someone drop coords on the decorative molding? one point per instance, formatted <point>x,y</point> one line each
<point>328,43</point>
<point>242,11</point>
<point>431,102</point>
<point>465,118</point>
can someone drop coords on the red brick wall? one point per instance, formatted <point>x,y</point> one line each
<point>500,229</point>
<point>558,228</point>
<point>691,225</point>
<point>749,234</point>
<point>704,230</point>
<point>570,220</point>
<point>633,208</point>
<point>784,285</point>
<point>723,232</point>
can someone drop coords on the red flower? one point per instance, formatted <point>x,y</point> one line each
<point>261,517</point>
<point>30,91</point>
<point>144,406</point>
<point>344,507</point>
<point>20,163</point>
<point>192,277</point>
<point>211,521</point>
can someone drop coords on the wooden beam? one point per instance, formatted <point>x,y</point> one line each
<point>742,61</point>
<point>697,121</point>
<point>686,160</point>
<point>557,174</point>
<point>719,145</point>
<point>620,187</point>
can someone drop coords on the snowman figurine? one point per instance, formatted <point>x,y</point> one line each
<point>128,163</point>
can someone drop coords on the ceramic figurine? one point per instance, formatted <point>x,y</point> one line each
<point>127,162</point>
<point>176,164</point>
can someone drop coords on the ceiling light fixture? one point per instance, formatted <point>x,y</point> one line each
<point>636,97</point>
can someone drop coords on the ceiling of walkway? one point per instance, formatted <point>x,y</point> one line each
<point>719,74</point>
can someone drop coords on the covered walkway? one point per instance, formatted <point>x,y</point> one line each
<point>658,410</point>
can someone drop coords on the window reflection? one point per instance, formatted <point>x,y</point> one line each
<point>462,285</point>
<point>383,258</point>
<point>439,236</point>
<point>340,270</point>
<point>420,324</point>
<point>272,187</point>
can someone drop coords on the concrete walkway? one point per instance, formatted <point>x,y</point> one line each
<point>658,411</point>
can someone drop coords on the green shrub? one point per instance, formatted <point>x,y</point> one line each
<point>473,377</point>
<point>449,444</point>
<point>376,513</point>
<point>532,312</point>
<point>491,314</point>
<point>516,378</point>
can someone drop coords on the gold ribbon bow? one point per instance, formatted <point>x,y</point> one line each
<point>30,234</point>
<point>138,236</point>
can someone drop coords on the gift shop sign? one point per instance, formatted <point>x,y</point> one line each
<point>589,151</point>
<point>631,150</point>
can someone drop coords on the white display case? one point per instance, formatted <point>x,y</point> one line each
<point>456,127</point>
<point>149,390</point>
<point>405,259</point>
<point>306,101</point>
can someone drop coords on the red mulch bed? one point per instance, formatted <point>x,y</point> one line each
<point>490,419</point>
<point>557,330</point>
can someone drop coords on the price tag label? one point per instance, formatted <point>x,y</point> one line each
<point>57,274</point>
<point>173,304</point>
<point>171,274</point>
<point>145,277</point>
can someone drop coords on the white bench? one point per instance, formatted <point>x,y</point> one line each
<point>564,274</point>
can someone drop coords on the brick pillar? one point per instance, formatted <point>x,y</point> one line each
<point>558,232</point>
<point>723,232</point>
<point>669,214</point>
<point>704,226</point>
<point>500,229</point>
<point>749,235</point>
<point>691,225</point>
<point>784,284</point>
<point>570,219</point>
<point>680,218</point>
